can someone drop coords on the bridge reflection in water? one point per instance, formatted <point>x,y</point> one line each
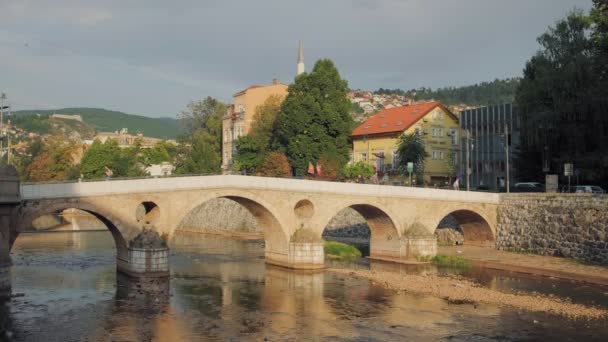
<point>222,290</point>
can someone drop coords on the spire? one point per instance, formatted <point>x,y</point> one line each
<point>300,67</point>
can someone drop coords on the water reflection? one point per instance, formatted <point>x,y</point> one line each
<point>222,290</point>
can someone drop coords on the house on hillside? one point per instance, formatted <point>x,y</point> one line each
<point>375,141</point>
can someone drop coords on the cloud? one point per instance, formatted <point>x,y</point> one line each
<point>153,56</point>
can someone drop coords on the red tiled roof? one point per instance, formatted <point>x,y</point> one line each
<point>396,119</point>
<point>250,87</point>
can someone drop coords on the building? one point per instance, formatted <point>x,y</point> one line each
<point>484,128</point>
<point>240,115</point>
<point>376,140</point>
<point>125,139</point>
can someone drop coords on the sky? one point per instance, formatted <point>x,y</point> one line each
<point>152,57</point>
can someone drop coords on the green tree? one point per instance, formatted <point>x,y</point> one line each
<point>562,108</point>
<point>315,118</point>
<point>122,162</point>
<point>200,150</point>
<point>251,150</point>
<point>160,152</point>
<point>411,149</point>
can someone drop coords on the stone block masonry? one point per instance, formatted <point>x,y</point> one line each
<point>567,225</point>
<point>145,262</point>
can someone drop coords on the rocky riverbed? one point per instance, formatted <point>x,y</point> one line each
<point>461,291</point>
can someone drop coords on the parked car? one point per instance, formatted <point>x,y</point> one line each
<point>591,189</point>
<point>528,187</point>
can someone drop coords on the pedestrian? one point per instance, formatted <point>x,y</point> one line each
<point>457,184</point>
<point>108,172</point>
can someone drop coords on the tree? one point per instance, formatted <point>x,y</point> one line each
<point>411,149</point>
<point>275,165</point>
<point>122,162</point>
<point>200,150</point>
<point>158,153</point>
<point>315,118</point>
<point>252,149</point>
<point>562,108</point>
<point>52,159</point>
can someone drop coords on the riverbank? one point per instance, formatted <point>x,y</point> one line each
<point>461,291</point>
<point>529,263</point>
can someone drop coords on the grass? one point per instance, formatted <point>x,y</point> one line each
<point>446,260</point>
<point>339,250</point>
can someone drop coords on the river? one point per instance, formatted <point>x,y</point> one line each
<point>65,288</point>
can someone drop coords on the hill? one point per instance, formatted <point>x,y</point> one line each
<point>103,120</point>
<point>495,92</point>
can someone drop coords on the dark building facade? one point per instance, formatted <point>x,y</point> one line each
<point>483,129</point>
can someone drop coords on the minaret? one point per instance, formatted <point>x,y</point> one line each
<point>300,58</point>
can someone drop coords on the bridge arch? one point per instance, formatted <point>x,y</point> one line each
<point>474,226</point>
<point>384,240</point>
<point>24,218</point>
<point>275,234</point>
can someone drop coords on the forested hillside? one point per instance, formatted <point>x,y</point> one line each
<point>497,91</point>
<point>103,120</point>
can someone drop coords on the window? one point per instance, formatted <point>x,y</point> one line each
<point>454,135</point>
<point>441,132</point>
<point>241,108</point>
<point>434,132</point>
<point>363,156</point>
<point>440,115</point>
<point>454,159</point>
<point>434,154</point>
<point>441,155</point>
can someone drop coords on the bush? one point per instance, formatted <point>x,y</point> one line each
<point>275,165</point>
<point>352,171</point>
<point>340,250</point>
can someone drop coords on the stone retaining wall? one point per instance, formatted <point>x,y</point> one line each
<point>568,225</point>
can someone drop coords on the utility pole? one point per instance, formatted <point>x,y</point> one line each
<point>468,168</point>
<point>507,154</point>
<point>2,99</point>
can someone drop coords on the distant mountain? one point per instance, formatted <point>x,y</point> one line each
<point>103,120</point>
<point>495,92</point>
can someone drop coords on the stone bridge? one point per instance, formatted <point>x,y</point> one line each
<point>142,214</point>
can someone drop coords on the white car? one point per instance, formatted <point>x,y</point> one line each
<point>591,189</point>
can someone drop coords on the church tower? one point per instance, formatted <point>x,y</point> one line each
<point>300,58</point>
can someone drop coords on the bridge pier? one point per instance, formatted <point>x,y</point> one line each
<point>147,256</point>
<point>404,250</point>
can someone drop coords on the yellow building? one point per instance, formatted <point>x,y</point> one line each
<point>375,141</point>
<point>239,117</point>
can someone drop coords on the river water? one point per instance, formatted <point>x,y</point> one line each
<point>65,288</point>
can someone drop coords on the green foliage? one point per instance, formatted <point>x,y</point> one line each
<point>315,118</point>
<point>451,261</point>
<point>340,250</point>
<point>497,91</point>
<point>162,151</point>
<point>411,149</point>
<point>275,165</point>
<point>249,154</point>
<point>122,162</point>
<point>103,120</point>
<point>33,123</point>
<point>563,100</point>
<point>200,149</point>
<point>354,170</point>
<point>356,108</point>
<point>252,149</point>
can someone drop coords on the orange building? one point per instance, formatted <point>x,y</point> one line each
<point>240,115</point>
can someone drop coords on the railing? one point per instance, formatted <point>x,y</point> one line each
<point>200,182</point>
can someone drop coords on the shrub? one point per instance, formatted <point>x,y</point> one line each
<point>340,250</point>
<point>275,165</point>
